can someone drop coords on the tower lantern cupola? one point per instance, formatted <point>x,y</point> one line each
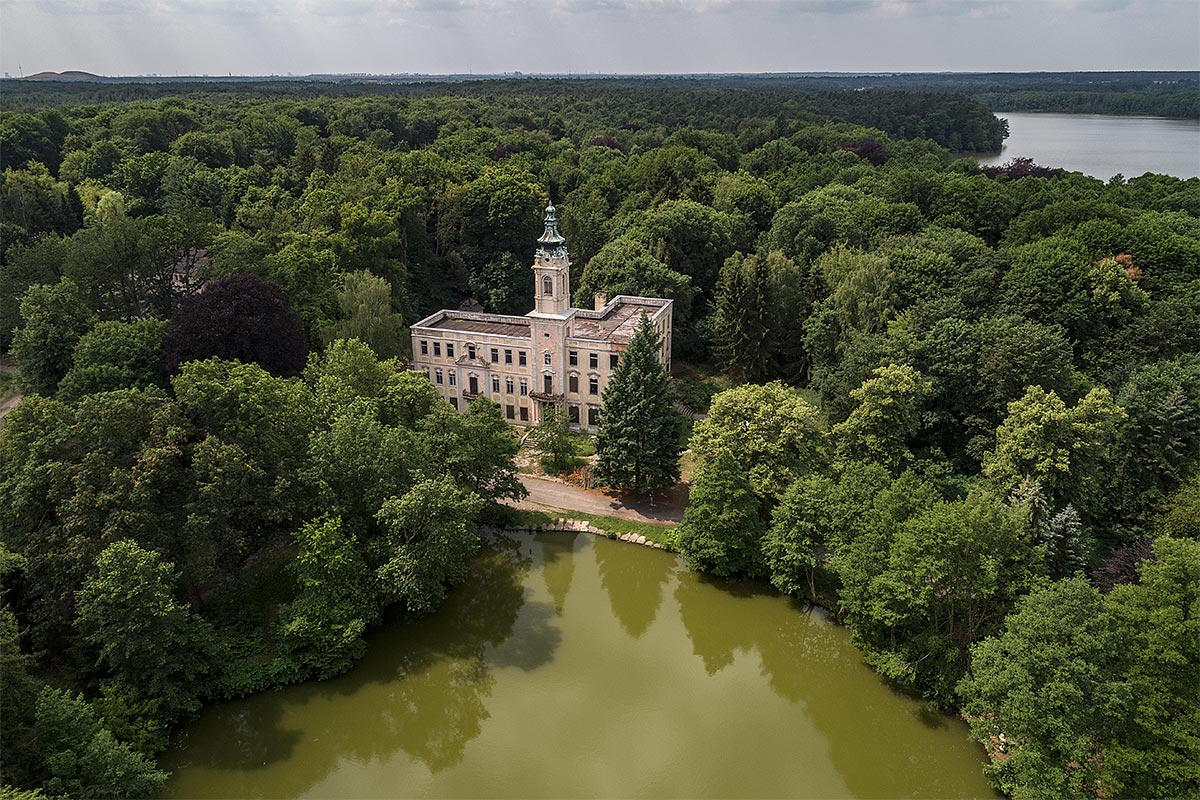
<point>551,269</point>
<point>551,244</point>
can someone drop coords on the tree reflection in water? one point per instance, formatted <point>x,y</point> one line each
<point>421,688</point>
<point>810,662</point>
<point>691,686</point>
<point>635,594</point>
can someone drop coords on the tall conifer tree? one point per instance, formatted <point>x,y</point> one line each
<point>744,318</point>
<point>638,438</point>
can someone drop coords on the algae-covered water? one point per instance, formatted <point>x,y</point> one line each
<point>570,666</point>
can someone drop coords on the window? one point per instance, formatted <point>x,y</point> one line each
<point>437,349</point>
<point>613,360</point>
<point>508,385</point>
<point>450,349</point>
<point>453,376</point>
<point>547,359</point>
<point>509,411</point>
<point>547,286</point>
<point>470,351</point>
<point>573,358</point>
<point>454,402</point>
<point>521,358</point>
<point>495,384</point>
<point>573,414</point>
<point>548,383</point>
<point>424,347</point>
<point>508,356</point>
<point>593,415</point>
<point>594,360</point>
<point>524,414</point>
<point>524,387</point>
<point>437,377</point>
<point>593,385</point>
<point>573,383</point>
<point>495,356</point>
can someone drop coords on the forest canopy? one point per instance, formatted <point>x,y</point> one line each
<point>956,398</point>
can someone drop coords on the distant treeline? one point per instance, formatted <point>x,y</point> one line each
<point>951,120</point>
<point>1169,94</point>
<point>1182,104</point>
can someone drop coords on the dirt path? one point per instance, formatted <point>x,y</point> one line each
<point>9,404</point>
<point>546,494</point>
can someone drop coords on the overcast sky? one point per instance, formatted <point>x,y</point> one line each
<point>258,37</point>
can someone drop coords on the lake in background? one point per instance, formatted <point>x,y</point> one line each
<point>574,666</point>
<point>1102,145</point>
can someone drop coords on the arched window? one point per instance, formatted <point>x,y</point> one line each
<point>547,286</point>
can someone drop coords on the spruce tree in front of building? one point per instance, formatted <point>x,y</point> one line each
<point>637,442</point>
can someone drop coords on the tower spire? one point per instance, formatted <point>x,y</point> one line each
<point>551,243</point>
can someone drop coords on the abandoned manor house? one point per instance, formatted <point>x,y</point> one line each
<point>553,354</point>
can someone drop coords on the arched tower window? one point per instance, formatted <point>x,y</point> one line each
<point>547,286</point>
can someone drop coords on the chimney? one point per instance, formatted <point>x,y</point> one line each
<point>601,300</point>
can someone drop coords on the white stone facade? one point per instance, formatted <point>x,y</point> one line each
<point>553,354</point>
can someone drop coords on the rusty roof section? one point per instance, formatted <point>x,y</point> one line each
<point>616,324</point>
<point>476,323</point>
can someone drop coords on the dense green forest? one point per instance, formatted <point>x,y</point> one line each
<point>966,415</point>
<point>1166,94</point>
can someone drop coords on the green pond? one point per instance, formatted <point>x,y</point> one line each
<point>572,665</point>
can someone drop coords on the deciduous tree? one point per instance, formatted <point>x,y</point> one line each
<point>1046,692</point>
<point>886,419</point>
<point>115,355</point>
<point>552,439</point>
<point>1064,449</point>
<point>240,318</point>
<point>53,320</point>
<point>365,302</point>
<point>143,638</point>
<point>430,536</point>
<point>82,757</point>
<point>322,628</point>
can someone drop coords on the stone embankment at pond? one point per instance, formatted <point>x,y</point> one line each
<point>577,526</point>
